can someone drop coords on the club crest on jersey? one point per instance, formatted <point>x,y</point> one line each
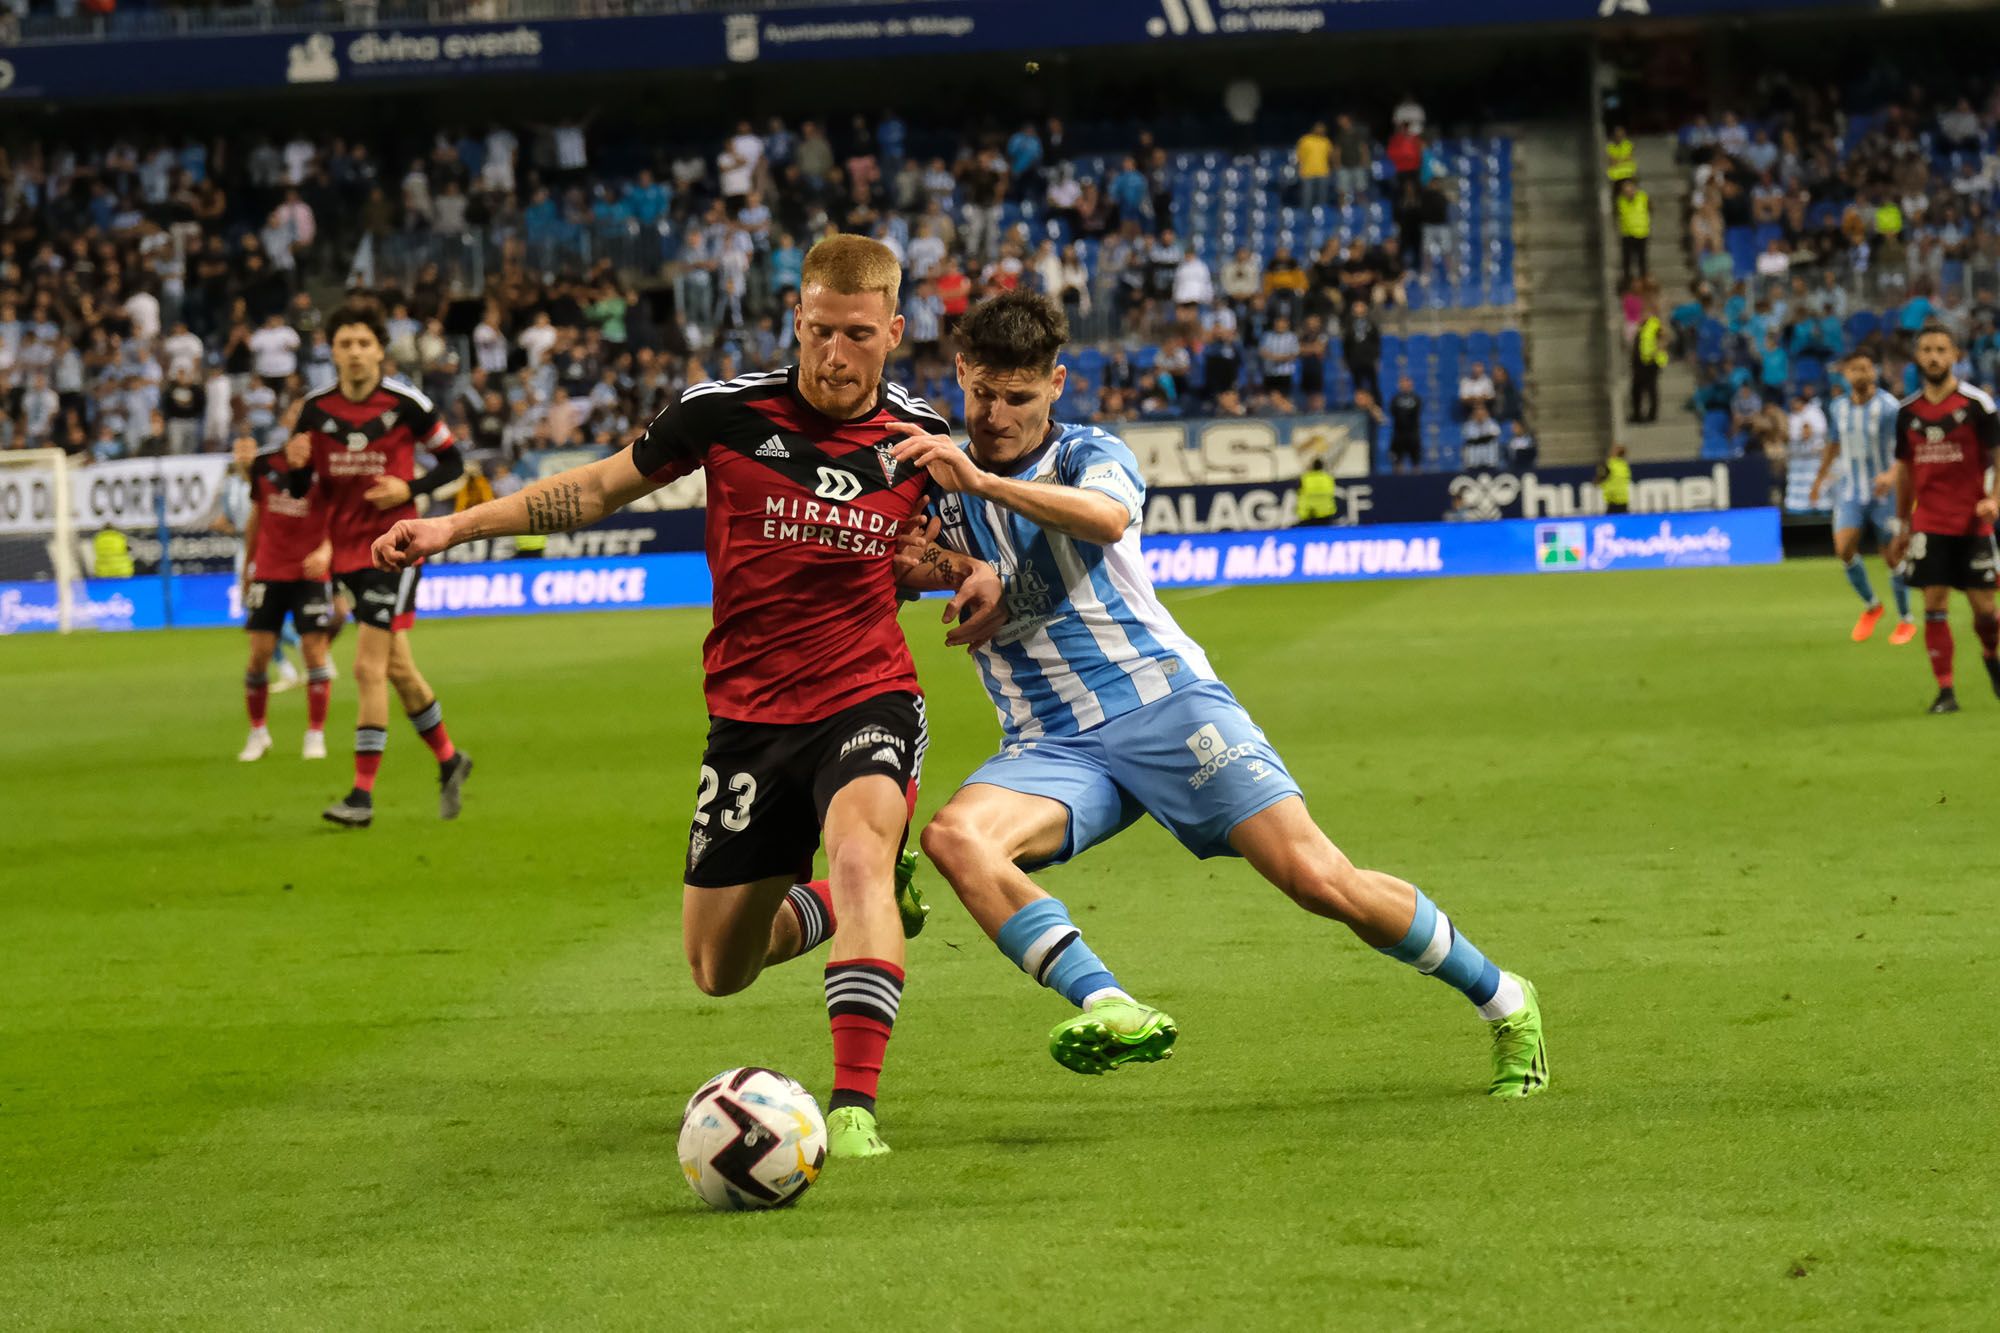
<point>389,420</point>
<point>887,460</point>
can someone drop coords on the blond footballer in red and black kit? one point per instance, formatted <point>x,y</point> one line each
<point>816,730</point>
<point>356,448</point>
<point>1946,433</point>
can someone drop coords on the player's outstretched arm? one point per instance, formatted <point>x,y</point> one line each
<point>1086,515</point>
<point>562,503</point>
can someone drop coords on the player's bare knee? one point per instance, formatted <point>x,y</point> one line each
<point>857,862</point>
<point>712,978</point>
<point>951,843</point>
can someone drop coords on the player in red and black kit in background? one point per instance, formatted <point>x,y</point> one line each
<point>286,559</point>
<point>816,732</point>
<point>1946,433</point>
<point>356,454</point>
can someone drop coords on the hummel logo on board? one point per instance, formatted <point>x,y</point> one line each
<point>773,448</point>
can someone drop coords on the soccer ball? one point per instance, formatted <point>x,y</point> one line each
<point>751,1138</point>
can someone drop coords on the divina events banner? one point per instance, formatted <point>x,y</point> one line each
<point>154,64</point>
<point>1300,555</point>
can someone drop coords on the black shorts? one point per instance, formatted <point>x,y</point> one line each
<point>309,604</point>
<point>386,601</point>
<point>765,787</point>
<point>1940,560</point>
<point>1406,446</point>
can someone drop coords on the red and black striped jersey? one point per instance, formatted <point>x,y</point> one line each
<point>1948,445</point>
<point>354,444</point>
<point>803,512</point>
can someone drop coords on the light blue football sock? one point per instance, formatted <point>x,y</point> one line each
<point>1436,949</point>
<point>1901,592</point>
<point>1857,574</point>
<point>1041,941</point>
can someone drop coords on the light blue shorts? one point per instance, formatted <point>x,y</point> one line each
<point>1194,761</point>
<point>1860,513</point>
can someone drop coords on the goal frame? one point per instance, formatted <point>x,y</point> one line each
<point>62,535</point>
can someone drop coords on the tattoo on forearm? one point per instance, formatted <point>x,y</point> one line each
<point>557,508</point>
<point>939,562</point>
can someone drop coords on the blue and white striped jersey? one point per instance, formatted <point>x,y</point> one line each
<point>1086,639</point>
<point>1866,434</point>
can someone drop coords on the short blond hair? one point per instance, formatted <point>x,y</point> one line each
<point>851,265</point>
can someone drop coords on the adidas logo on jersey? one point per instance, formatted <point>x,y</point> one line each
<point>885,755</point>
<point>773,448</point>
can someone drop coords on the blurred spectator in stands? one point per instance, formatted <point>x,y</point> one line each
<point>1222,355</point>
<point>1242,276</point>
<point>1313,158</point>
<point>1405,152</point>
<point>1406,421</point>
<point>1635,228</point>
<point>1506,396</point>
<point>1480,436</point>
<point>1620,160</point>
<point>1774,264</point>
<point>1519,446</point>
<point>1959,128</point>
<point>1805,435</point>
<point>1475,387</point>
<point>1409,116</point>
<point>1774,369</point>
<point>1312,364</point>
<point>1649,354</point>
<point>1361,348</point>
<point>1193,285</point>
<point>1353,173</point>
<point>1278,350</point>
<point>1746,410</point>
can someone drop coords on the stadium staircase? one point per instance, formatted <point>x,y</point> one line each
<point>1675,434</point>
<point>1561,258</point>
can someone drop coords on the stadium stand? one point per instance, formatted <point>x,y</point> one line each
<point>147,286</point>
<point>1818,229</point>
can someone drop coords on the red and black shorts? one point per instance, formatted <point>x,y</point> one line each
<point>386,601</point>
<point>1943,560</point>
<point>765,787</point>
<point>308,603</point>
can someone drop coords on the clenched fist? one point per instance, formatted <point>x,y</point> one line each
<point>409,542</point>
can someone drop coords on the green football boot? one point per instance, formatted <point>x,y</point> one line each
<point>1520,1056</point>
<point>1113,1033</point>
<point>851,1132</point>
<point>910,904</point>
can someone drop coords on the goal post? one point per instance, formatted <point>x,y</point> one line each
<point>37,541</point>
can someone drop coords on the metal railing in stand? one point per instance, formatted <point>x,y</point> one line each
<point>1613,360</point>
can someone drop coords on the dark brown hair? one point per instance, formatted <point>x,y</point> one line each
<point>359,310</point>
<point>1014,331</point>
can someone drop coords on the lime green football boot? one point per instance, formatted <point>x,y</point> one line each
<point>851,1132</point>
<point>1520,1056</point>
<point>1112,1033</point>
<point>910,904</point>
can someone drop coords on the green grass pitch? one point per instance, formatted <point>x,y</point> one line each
<point>256,1073</point>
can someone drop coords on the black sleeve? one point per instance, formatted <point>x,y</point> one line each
<point>1904,419</point>
<point>677,441</point>
<point>1988,427</point>
<point>298,481</point>
<point>450,466</point>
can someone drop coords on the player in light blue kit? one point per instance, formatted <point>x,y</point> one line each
<point>1110,712</point>
<point>1861,458</point>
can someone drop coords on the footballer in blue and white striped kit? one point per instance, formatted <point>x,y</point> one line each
<point>1860,459</point>
<point>1109,711</point>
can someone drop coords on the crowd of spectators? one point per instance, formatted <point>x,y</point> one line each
<point>1814,231</point>
<point>165,295</point>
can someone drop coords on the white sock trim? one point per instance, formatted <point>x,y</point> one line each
<point>1108,993</point>
<point>1508,997</point>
